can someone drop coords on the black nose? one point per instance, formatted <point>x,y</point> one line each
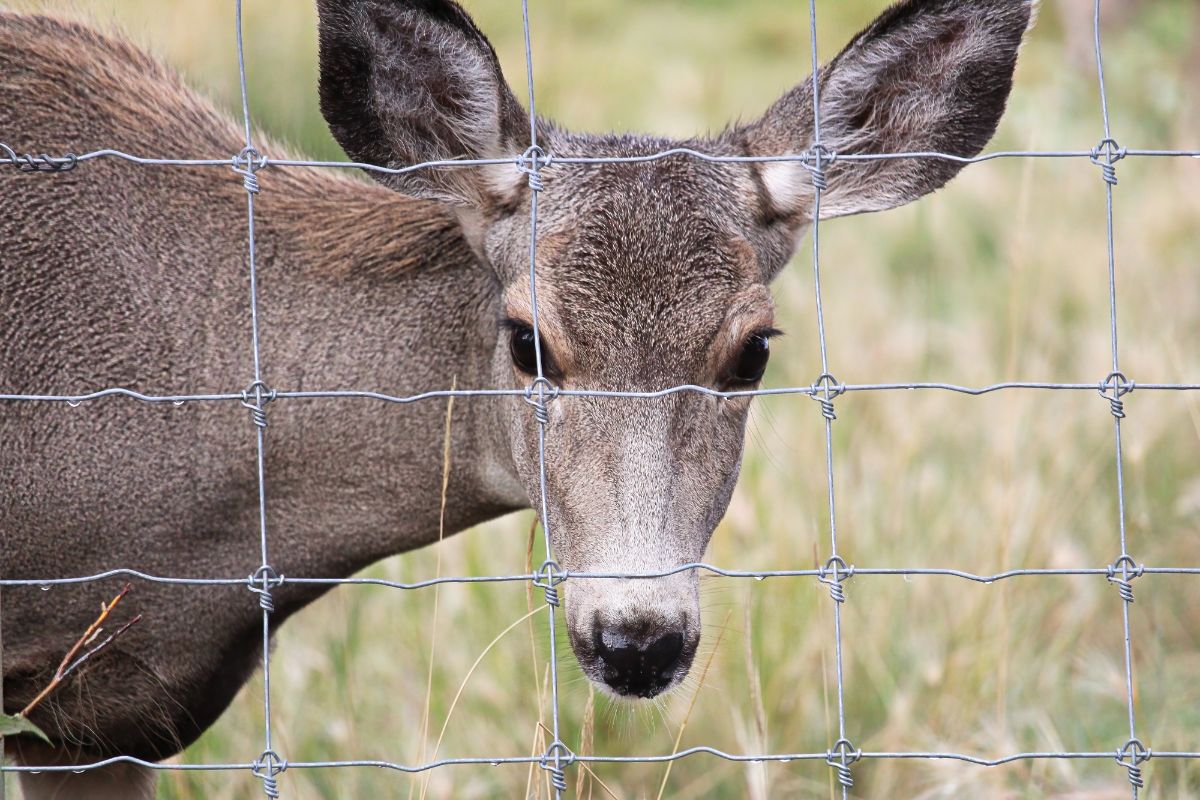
<point>639,666</point>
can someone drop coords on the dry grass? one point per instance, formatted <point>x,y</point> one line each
<point>1000,276</point>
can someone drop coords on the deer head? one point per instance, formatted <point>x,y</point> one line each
<point>650,275</point>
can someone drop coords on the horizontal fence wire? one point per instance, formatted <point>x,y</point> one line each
<point>48,163</point>
<point>842,754</point>
<point>753,758</point>
<point>562,575</point>
<point>1103,387</point>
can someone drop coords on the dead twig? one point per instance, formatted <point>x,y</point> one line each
<point>84,649</point>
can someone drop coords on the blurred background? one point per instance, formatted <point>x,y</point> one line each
<point>1000,276</point>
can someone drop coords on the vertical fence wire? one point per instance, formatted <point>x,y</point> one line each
<point>268,765</point>
<point>1133,753</point>
<point>841,754</point>
<point>558,755</point>
<point>542,392</point>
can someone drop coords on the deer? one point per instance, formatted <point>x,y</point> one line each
<point>649,274</point>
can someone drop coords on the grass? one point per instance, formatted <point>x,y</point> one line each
<point>1001,276</point>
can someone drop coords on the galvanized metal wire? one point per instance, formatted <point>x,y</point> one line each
<point>842,756</point>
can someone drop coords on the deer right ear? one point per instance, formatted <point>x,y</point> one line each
<point>408,81</point>
<point>927,75</point>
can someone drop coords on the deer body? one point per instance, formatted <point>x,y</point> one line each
<point>168,286</point>
<point>650,275</point>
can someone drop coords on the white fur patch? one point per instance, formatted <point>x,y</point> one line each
<point>787,184</point>
<point>503,180</point>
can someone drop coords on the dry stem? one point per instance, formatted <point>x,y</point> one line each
<point>586,769</point>
<point>73,659</point>
<point>692,704</point>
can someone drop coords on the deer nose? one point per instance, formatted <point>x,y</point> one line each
<point>638,666</point>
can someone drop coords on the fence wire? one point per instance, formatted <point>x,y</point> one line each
<point>842,755</point>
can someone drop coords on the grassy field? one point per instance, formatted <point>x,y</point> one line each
<point>1002,276</point>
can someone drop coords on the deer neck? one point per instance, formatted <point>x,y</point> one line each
<point>364,289</point>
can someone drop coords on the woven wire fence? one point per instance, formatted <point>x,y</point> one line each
<point>1130,752</point>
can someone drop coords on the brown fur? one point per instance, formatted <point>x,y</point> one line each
<point>649,275</point>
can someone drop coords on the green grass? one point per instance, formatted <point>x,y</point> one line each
<point>1001,276</point>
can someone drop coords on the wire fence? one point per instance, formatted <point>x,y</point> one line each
<point>1129,752</point>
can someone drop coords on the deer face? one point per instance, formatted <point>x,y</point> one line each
<point>650,275</point>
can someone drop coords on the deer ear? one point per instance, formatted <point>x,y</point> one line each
<point>927,75</point>
<point>408,81</point>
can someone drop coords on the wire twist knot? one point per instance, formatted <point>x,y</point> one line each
<point>247,164</point>
<point>261,582</point>
<point>531,163</point>
<point>255,398</point>
<point>547,578</point>
<point>537,395</point>
<point>815,159</point>
<point>1121,574</point>
<point>824,389</point>
<point>1137,754</point>
<point>1106,155</point>
<point>556,758</point>
<point>1112,388</point>
<point>840,757</point>
<point>266,767</point>
<point>833,574</point>
<point>28,163</point>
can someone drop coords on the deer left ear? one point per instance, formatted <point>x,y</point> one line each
<point>926,76</point>
<point>409,81</point>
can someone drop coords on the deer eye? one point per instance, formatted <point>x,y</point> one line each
<point>521,347</point>
<point>752,361</point>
